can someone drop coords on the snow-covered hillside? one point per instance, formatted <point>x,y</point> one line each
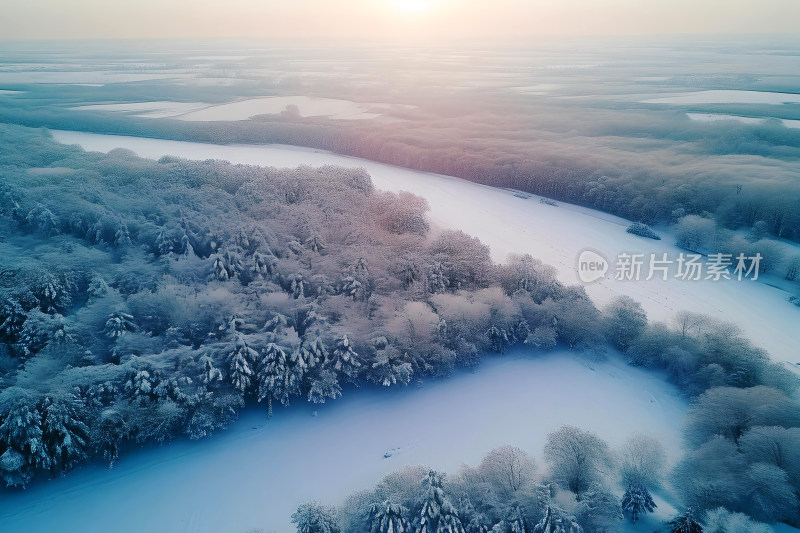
<point>510,224</point>
<point>254,474</point>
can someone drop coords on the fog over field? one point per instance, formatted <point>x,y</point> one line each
<point>370,267</point>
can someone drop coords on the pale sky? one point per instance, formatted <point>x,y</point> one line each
<point>396,20</point>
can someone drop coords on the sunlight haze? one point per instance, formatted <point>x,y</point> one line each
<point>389,19</point>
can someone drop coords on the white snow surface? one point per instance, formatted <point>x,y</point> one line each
<point>308,107</point>
<point>254,474</point>
<point>726,96</point>
<point>509,224</point>
<point>713,117</point>
<point>146,109</point>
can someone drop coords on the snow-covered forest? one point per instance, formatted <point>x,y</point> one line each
<point>146,300</point>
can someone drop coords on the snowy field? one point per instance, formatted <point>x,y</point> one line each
<point>509,224</point>
<point>244,109</point>
<point>727,97</point>
<point>712,117</point>
<point>254,474</point>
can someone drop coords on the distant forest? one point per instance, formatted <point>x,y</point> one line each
<point>627,161</point>
<point>142,300</point>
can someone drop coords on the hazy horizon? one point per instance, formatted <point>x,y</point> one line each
<point>393,20</point>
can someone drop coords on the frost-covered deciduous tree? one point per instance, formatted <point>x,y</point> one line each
<point>768,494</point>
<point>721,520</point>
<point>577,458</point>
<point>624,320</point>
<point>692,231</point>
<point>731,411</point>
<point>642,460</point>
<point>315,518</point>
<point>711,475</point>
<point>509,470</point>
<point>776,446</point>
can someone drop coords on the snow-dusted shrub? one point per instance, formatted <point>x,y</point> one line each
<point>642,230</point>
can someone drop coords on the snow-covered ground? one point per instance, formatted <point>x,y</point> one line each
<point>146,109</point>
<point>722,96</point>
<point>308,107</point>
<point>254,474</point>
<point>509,224</point>
<point>713,117</point>
<point>244,109</point>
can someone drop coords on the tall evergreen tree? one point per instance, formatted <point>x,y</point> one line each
<point>388,517</point>
<point>685,523</point>
<point>555,520</point>
<point>240,364</point>
<point>637,501</point>
<point>64,434</point>
<point>343,360</point>
<point>437,514</point>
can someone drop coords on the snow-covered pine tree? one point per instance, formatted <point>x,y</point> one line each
<point>218,270</point>
<point>353,288</point>
<point>53,291</point>
<point>41,219</point>
<point>111,428</point>
<point>637,501</point>
<point>264,265</point>
<point>118,324</point>
<point>276,379</point>
<point>685,523</point>
<point>388,517</point>
<point>140,386</point>
<point>324,385</point>
<point>498,339</point>
<point>515,520</point>
<point>297,288</point>
<point>437,514</point>
<point>310,352</point>
<point>437,279</point>
<point>315,518</point>
<point>343,360</point>
<point>389,368</point>
<point>314,243</point>
<point>21,436</point>
<point>277,324</point>
<point>163,243</point>
<point>409,272</point>
<point>556,520</point>
<point>122,236</point>
<point>186,248</point>
<point>64,433</point>
<point>209,374</point>
<point>240,364</point>
<point>12,320</point>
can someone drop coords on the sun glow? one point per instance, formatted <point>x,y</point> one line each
<point>415,7</point>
